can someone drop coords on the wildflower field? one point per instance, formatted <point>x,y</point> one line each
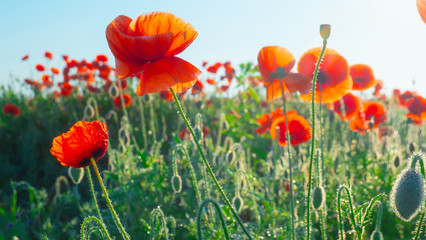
<point>149,146</point>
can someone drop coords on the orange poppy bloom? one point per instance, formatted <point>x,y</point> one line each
<point>127,101</point>
<point>101,58</point>
<point>421,7</point>
<point>299,129</point>
<point>48,55</point>
<point>265,121</point>
<point>275,64</point>
<point>214,68</point>
<point>40,67</point>
<point>370,111</point>
<point>197,87</point>
<point>66,88</point>
<point>211,81</point>
<point>25,57</point>
<point>149,44</point>
<point>378,87</point>
<point>403,98</point>
<point>10,108</point>
<point>362,77</point>
<point>416,109</point>
<point>54,70</point>
<point>85,140</point>
<point>166,95</point>
<point>350,104</point>
<point>333,78</point>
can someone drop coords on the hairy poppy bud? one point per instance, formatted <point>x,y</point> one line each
<point>407,194</point>
<point>396,161</point>
<point>76,174</point>
<point>376,235</point>
<point>411,148</point>
<point>318,197</point>
<point>325,30</point>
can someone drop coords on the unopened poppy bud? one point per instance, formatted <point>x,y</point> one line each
<point>407,194</point>
<point>76,174</point>
<point>325,30</point>
<point>376,235</point>
<point>318,197</point>
<point>396,161</point>
<point>411,148</point>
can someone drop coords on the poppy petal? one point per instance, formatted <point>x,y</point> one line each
<point>183,33</point>
<point>274,62</point>
<point>362,77</point>
<point>421,7</point>
<point>330,94</point>
<point>163,74</point>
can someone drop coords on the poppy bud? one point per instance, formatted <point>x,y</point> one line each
<point>411,148</point>
<point>76,174</point>
<point>318,197</point>
<point>376,235</point>
<point>407,194</point>
<point>325,30</point>
<point>396,161</point>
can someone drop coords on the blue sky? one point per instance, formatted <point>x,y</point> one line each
<point>388,35</point>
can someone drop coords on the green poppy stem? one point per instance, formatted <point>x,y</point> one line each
<point>111,209</point>
<point>308,197</point>
<point>200,150</point>
<point>92,189</point>
<point>287,134</point>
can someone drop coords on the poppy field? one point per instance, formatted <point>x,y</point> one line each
<point>150,146</point>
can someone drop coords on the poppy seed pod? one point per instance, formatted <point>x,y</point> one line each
<point>376,235</point>
<point>407,194</point>
<point>318,197</point>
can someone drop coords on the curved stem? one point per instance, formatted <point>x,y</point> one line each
<point>219,212</point>
<point>143,125</point>
<point>339,209</point>
<point>308,200</point>
<point>208,166</point>
<point>287,134</point>
<point>92,189</point>
<point>86,220</point>
<point>111,209</point>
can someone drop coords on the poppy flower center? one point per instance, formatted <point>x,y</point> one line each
<point>280,73</point>
<point>322,77</point>
<point>358,79</point>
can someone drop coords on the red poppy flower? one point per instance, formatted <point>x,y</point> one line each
<point>421,7</point>
<point>350,104</point>
<point>265,121</point>
<point>299,129</point>
<point>213,68</point>
<point>333,78</point>
<point>85,140</point>
<point>378,87</point>
<point>92,88</point>
<point>186,134</point>
<point>211,81</point>
<point>25,57</point>
<point>370,112</point>
<point>46,80</point>
<point>197,87</point>
<point>224,88</point>
<point>54,70</point>
<point>66,88</point>
<point>167,95</point>
<point>10,108</point>
<point>40,67</point>
<point>31,82</point>
<point>385,131</point>
<point>275,64</point>
<point>149,44</point>
<point>204,63</point>
<point>229,71</point>
<point>101,58</point>
<point>48,55</point>
<point>403,98</point>
<point>127,101</point>
<point>362,77</point>
<point>416,109</point>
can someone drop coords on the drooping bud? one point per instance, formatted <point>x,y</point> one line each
<point>76,174</point>
<point>318,197</point>
<point>325,30</point>
<point>376,235</point>
<point>407,194</point>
